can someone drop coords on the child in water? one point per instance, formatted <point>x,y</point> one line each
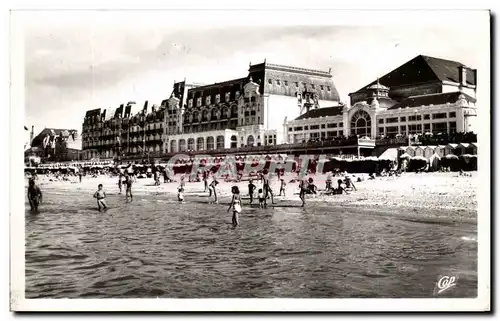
<point>100,195</point>
<point>282,187</point>
<point>261,198</point>
<point>180,195</point>
<point>34,195</point>
<point>235,204</point>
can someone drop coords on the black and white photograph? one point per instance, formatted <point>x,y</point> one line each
<point>181,155</point>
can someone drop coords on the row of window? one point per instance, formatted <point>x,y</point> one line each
<point>285,82</point>
<point>417,117</point>
<point>417,128</point>
<point>313,127</point>
<point>208,99</point>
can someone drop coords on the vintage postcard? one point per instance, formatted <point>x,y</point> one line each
<point>261,160</point>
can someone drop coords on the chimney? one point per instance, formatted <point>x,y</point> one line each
<point>462,75</point>
<point>32,134</point>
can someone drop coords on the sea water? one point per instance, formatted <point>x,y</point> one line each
<point>157,247</point>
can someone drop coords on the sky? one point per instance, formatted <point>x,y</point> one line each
<point>77,61</point>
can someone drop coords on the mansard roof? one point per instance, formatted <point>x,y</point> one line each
<point>321,112</point>
<point>431,99</point>
<point>424,69</point>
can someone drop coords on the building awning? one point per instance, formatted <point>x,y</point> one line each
<point>389,154</point>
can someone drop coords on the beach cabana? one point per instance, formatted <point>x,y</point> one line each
<point>450,149</point>
<point>410,150</point>
<point>473,148</point>
<point>462,148</point>
<point>419,151</point>
<point>429,151</point>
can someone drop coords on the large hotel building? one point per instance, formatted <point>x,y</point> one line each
<point>277,104</point>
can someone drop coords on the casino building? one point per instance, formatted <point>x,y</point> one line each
<point>424,95</point>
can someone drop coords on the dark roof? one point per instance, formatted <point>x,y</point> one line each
<point>38,139</point>
<point>423,69</point>
<point>432,99</point>
<point>322,112</point>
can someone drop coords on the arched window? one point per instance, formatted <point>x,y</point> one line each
<point>200,143</point>
<point>234,141</point>
<point>196,117</point>
<point>250,141</point>
<point>234,111</point>
<point>225,112</point>
<point>182,145</point>
<point>361,123</point>
<point>220,142</point>
<point>173,146</point>
<point>210,143</point>
<point>191,144</point>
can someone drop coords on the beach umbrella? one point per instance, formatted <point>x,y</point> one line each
<point>451,156</point>
<point>405,155</point>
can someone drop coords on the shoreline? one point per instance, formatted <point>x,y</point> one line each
<point>429,197</point>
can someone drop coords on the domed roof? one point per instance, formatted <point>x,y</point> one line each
<point>378,86</point>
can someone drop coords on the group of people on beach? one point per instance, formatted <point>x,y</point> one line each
<point>264,193</point>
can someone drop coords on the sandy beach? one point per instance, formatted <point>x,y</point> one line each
<point>431,195</point>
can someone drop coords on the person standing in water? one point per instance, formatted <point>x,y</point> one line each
<point>235,205</point>
<point>120,183</point>
<point>128,191</point>
<point>212,189</point>
<point>205,181</point>
<point>180,195</point>
<point>282,187</point>
<point>100,195</point>
<point>303,185</point>
<point>80,175</point>
<point>35,196</point>
<point>267,187</point>
<point>251,189</point>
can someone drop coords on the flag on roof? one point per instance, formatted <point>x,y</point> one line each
<point>26,128</point>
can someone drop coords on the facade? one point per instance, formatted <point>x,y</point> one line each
<point>126,130</point>
<point>248,111</point>
<point>53,144</point>
<point>424,95</point>
<point>277,104</point>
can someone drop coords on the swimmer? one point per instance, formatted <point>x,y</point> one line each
<point>211,189</point>
<point>235,204</point>
<point>34,195</point>
<point>100,195</point>
<point>128,191</point>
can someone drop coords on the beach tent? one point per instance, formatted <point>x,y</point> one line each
<point>389,154</point>
<point>440,150</point>
<point>434,161</point>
